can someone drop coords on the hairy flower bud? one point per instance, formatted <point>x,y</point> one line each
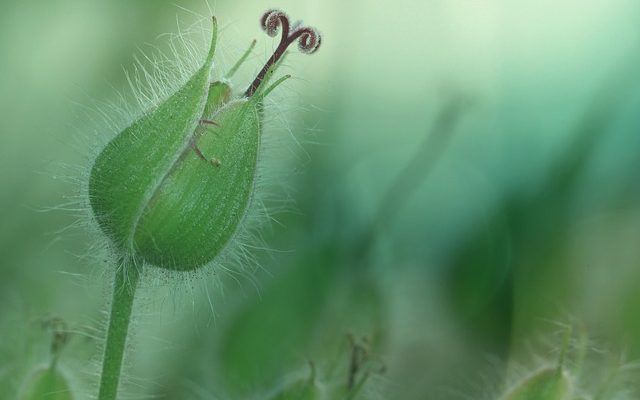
<point>172,188</point>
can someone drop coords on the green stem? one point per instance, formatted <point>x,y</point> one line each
<point>124,289</point>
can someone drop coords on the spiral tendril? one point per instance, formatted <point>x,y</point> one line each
<point>274,21</point>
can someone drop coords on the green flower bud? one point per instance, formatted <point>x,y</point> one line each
<point>173,187</point>
<point>546,384</point>
<point>47,384</point>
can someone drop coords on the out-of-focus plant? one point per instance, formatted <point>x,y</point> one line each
<point>579,372</point>
<point>49,382</point>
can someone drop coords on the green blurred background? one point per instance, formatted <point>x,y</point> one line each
<point>465,178</point>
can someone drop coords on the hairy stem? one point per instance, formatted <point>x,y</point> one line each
<point>124,289</point>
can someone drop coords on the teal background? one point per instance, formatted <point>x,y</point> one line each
<point>464,178</point>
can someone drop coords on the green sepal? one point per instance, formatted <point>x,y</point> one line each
<point>130,169</point>
<point>219,94</point>
<point>199,205</point>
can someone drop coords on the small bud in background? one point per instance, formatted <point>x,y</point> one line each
<point>301,388</point>
<point>547,384</point>
<point>47,384</point>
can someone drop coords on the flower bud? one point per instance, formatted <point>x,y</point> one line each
<point>47,384</point>
<point>173,187</point>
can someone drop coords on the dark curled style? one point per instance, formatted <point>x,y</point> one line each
<point>274,20</point>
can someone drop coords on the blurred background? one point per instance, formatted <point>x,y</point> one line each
<point>465,181</point>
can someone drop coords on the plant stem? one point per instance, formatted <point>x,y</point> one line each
<point>124,289</point>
